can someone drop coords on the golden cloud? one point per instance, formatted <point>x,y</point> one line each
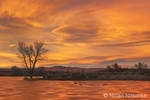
<point>74,30</point>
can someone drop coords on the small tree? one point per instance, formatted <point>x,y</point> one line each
<point>109,68</point>
<point>116,66</point>
<point>141,67</point>
<point>31,54</point>
<point>16,71</point>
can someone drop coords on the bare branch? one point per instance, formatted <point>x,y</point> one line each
<point>31,54</point>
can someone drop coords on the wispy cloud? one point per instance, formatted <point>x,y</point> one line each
<point>77,31</point>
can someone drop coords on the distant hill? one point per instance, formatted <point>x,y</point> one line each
<point>72,69</point>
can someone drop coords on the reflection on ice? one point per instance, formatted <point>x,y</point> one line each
<point>15,88</point>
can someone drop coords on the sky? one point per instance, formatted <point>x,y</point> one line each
<point>77,32</point>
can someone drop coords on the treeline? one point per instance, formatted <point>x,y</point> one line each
<point>16,71</point>
<point>140,68</point>
<point>116,67</point>
<point>113,72</point>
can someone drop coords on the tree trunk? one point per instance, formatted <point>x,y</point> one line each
<point>31,76</point>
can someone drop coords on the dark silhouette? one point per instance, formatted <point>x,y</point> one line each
<point>16,71</point>
<point>31,54</point>
<point>141,66</point>
<point>114,67</point>
<point>113,72</point>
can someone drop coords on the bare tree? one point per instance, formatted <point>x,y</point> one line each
<point>31,54</point>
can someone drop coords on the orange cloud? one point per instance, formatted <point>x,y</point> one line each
<point>76,31</point>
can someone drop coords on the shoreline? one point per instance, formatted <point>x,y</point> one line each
<point>107,77</point>
<point>38,79</point>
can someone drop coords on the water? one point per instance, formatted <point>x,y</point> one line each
<point>15,88</point>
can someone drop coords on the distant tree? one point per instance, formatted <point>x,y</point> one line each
<point>13,67</point>
<point>116,66</point>
<point>16,71</point>
<point>109,68</point>
<point>31,54</point>
<point>141,66</point>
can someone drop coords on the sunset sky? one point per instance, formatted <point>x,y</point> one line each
<point>77,32</point>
